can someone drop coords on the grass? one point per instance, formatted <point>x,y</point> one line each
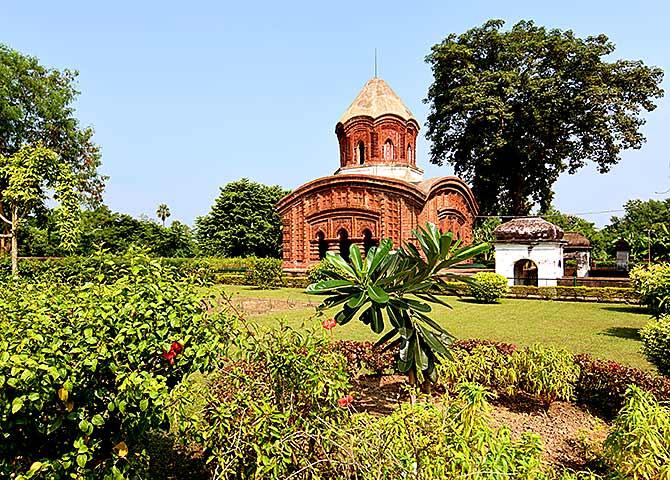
<point>607,331</point>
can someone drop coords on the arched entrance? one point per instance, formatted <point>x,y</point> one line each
<point>368,242</point>
<point>345,243</point>
<point>323,245</point>
<point>525,273</point>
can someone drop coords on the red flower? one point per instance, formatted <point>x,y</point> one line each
<point>329,324</point>
<point>344,402</point>
<point>169,356</point>
<point>176,347</point>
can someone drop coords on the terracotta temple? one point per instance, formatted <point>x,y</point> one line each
<point>377,192</point>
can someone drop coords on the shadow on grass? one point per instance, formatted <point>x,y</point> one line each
<point>475,302</point>
<point>626,309</point>
<point>629,333</point>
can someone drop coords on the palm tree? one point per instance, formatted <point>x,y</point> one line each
<point>163,212</point>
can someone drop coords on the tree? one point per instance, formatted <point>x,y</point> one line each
<point>28,175</point>
<point>645,225</point>
<point>573,223</point>
<point>37,106</point>
<point>398,285</point>
<point>242,222</point>
<point>163,212</point>
<point>512,110</point>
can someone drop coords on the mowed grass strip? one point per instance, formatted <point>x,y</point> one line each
<point>608,331</point>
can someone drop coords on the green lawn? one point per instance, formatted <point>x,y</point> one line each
<point>603,330</point>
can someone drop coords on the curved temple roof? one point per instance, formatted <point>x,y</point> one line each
<point>528,228</point>
<point>377,99</point>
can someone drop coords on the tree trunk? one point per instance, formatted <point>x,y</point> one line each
<point>15,241</point>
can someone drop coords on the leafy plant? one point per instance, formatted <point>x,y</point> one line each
<point>488,287</point>
<point>652,284</point>
<point>364,356</point>
<point>85,370</point>
<point>264,413</point>
<point>264,272</point>
<point>396,286</point>
<point>639,443</point>
<point>429,441</point>
<point>603,384</point>
<point>656,343</point>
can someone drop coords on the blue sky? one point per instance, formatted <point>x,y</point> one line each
<point>187,96</point>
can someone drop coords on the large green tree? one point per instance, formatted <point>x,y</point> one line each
<point>645,225</point>
<point>242,222</point>
<point>513,109</point>
<point>37,106</point>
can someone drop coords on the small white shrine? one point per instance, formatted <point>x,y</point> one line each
<point>529,251</point>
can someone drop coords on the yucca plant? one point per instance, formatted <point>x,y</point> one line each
<point>396,288</point>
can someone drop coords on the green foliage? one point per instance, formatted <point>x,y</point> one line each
<point>264,413</point>
<point>652,284</point>
<point>656,343</point>
<point>37,106</point>
<point>27,176</point>
<point>599,294</point>
<point>545,373</point>
<point>644,224</point>
<point>320,271</point>
<point>639,444</point>
<point>430,442</point>
<point>395,286</point>
<point>115,232</point>
<point>483,233</point>
<point>243,221</point>
<point>85,370</point>
<point>488,287</point>
<point>264,272</point>
<point>573,223</point>
<point>512,110</point>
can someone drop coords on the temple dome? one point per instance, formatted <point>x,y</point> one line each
<point>377,99</point>
<point>528,228</point>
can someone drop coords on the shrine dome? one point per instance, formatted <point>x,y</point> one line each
<point>528,229</point>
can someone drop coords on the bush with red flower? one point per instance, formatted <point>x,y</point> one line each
<point>83,368</point>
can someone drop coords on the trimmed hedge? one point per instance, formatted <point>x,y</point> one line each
<point>598,294</point>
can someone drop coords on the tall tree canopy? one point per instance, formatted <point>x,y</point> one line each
<point>36,107</point>
<point>512,110</point>
<point>242,222</point>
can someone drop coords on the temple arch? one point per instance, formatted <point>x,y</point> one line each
<point>322,244</point>
<point>344,243</point>
<point>388,150</point>
<point>360,153</point>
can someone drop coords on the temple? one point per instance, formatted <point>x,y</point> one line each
<point>377,192</point>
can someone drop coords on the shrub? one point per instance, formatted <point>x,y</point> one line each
<point>437,441</point>
<point>364,356</point>
<point>656,343</point>
<point>602,384</point>
<point>488,287</point>
<point>639,444</point>
<point>264,272</point>
<point>85,370</point>
<point>262,415</point>
<point>652,284</point>
<point>470,344</point>
<point>545,373</point>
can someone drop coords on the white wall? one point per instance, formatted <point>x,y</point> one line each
<point>548,256</point>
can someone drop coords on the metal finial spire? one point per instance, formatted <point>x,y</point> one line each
<point>375,63</point>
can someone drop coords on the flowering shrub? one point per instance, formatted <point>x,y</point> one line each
<point>85,370</point>
<point>364,356</point>
<point>264,413</point>
<point>602,384</point>
<point>470,344</point>
<point>638,446</point>
<point>488,287</point>
<point>652,284</point>
<point>656,343</point>
<point>264,272</point>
